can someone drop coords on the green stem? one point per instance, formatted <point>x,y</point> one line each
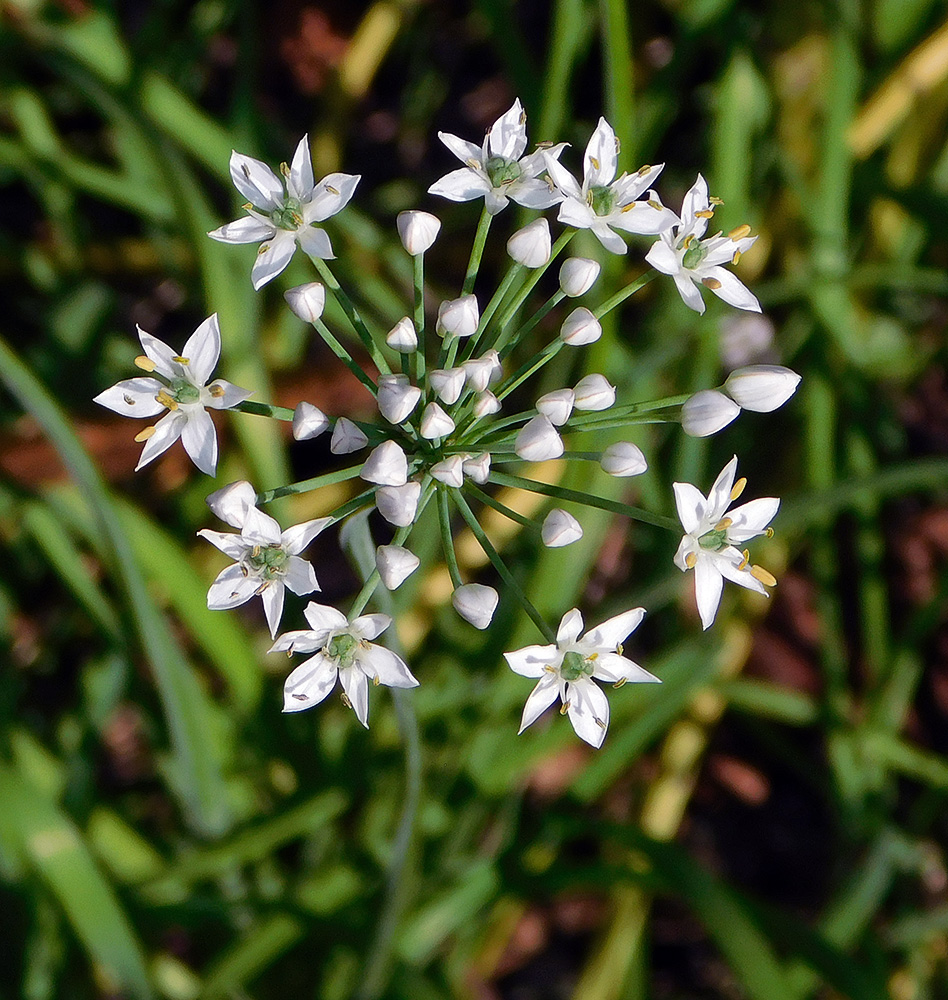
<point>498,563</point>
<point>477,251</point>
<point>623,294</point>
<point>562,493</point>
<point>345,357</point>
<point>530,283</point>
<point>305,485</point>
<point>419,275</point>
<point>447,539</point>
<point>494,504</point>
<point>264,410</point>
<point>529,367</point>
<point>474,345</point>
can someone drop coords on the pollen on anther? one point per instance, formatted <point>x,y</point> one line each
<point>216,390</point>
<point>345,700</point>
<point>691,559</point>
<point>167,400</point>
<point>657,205</point>
<point>564,708</point>
<point>331,189</point>
<point>740,232</point>
<point>285,169</point>
<point>769,532</point>
<point>594,162</point>
<point>736,259</point>
<point>620,682</point>
<point>724,524</point>
<point>601,724</point>
<point>472,163</point>
<point>549,669</point>
<point>264,247</point>
<point>145,363</point>
<point>765,576</point>
<point>643,170</point>
<point>128,399</point>
<point>711,283</point>
<point>523,118</point>
<point>715,200</point>
<point>689,239</point>
<point>145,434</point>
<point>746,559</point>
<point>180,360</point>
<point>738,488</point>
<point>705,213</point>
<point>376,680</point>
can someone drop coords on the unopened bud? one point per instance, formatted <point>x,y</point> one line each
<point>346,437</point>
<point>557,405</point>
<point>402,337</point>
<point>449,471</point>
<point>395,564</point>
<point>594,393</point>
<point>435,423</point>
<point>578,275</point>
<point>307,301</point>
<point>560,528</point>
<point>231,503</point>
<point>386,465</point>
<point>447,383</point>
<point>478,467</point>
<point>531,246</point>
<point>398,504</point>
<point>459,316</point>
<point>623,459</point>
<point>707,412</point>
<point>538,441</point>
<point>397,397</point>
<point>580,327</point>
<point>481,372</point>
<point>485,404</point>
<point>475,603</point>
<point>308,421</point>
<point>417,230</point>
<point>761,387</point>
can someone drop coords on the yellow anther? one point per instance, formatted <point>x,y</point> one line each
<point>715,200</point>
<point>245,571</point>
<point>523,118</point>
<point>766,578</point>
<point>246,170</point>
<point>723,524</point>
<point>549,669</point>
<point>643,170</point>
<point>601,724</point>
<point>740,232</point>
<point>546,144</point>
<point>593,656</point>
<point>738,488</point>
<point>264,247</point>
<point>145,363</point>
<point>128,399</point>
<point>769,532</point>
<point>564,708</point>
<point>247,207</point>
<point>255,551</point>
<point>747,558</point>
<point>736,259</point>
<point>691,559</point>
<point>284,169</point>
<point>711,283</point>
<point>550,184</point>
<point>345,700</point>
<point>145,434</point>
<point>628,208</point>
<point>620,682</point>
<point>657,205</point>
<point>331,189</point>
<point>216,390</point>
<point>166,399</point>
<point>473,164</point>
<point>263,586</point>
<point>376,680</point>
<point>289,652</point>
<point>619,648</point>
<point>689,239</point>
<point>594,162</point>
<point>180,360</point>
<point>705,213</point>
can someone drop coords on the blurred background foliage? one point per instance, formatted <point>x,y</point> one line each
<point>770,822</point>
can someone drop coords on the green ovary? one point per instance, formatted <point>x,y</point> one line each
<point>574,666</point>
<point>502,171</point>
<point>694,255</point>
<point>342,648</point>
<point>601,199</point>
<point>184,391</point>
<point>714,541</point>
<point>288,216</point>
<point>269,561</point>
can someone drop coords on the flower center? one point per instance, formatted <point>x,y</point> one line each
<point>502,171</point>
<point>574,666</point>
<point>289,215</point>
<point>601,199</point>
<point>183,391</point>
<point>694,255</point>
<point>342,648</point>
<point>714,541</point>
<point>269,561</point>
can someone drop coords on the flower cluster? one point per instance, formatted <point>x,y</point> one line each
<point>451,422</point>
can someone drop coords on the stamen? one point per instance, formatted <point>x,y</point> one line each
<point>594,162</point>
<point>263,586</point>
<point>765,577</point>
<point>246,170</point>
<point>711,283</point>
<point>245,571</point>
<point>549,669</point>
<point>643,170</point>
<point>145,434</point>
<point>264,247</point>
<point>691,559</point>
<point>740,232</point>
<point>345,700</point>
<point>331,189</point>
<point>657,205</point>
<point>181,361</point>
<point>619,648</point>
<point>216,390</point>
<point>705,213</point>
<point>689,239</point>
<point>549,183</point>
<point>736,259</point>
<point>523,118</point>
<point>247,206</point>
<point>769,532</point>
<point>376,680</point>
<point>723,524</point>
<point>620,682</point>
<point>747,558</point>
<point>301,697</point>
<point>255,551</point>
<point>738,488</point>
<point>564,708</point>
<point>618,146</point>
<point>289,650</point>
<point>472,163</point>
<point>546,144</point>
<point>715,200</point>
<point>284,169</point>
<point>145,363</point>
<point>233,594</point>
<point>628,208</point>
<point>128,399</point>
<point>166,399</point>
<point>601,724</point>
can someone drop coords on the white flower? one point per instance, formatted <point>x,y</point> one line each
<point>398,504</point>
<point>707,412</point>
<point>402,336</point>
<point>593,393</point>
<point>395,564</point>
<point>449,471</point>
<point>566,671</point>
<point>712,534</point>
<point>762,388</point>
<point>498,170</point>
<point>307,301</point>
<point>580,327</point>
<point>623,459</point>
<point>478,467</point>
<point>475,603</point>
<point>435,423</point>
<point>606,202</point>
<point>483,371</point>
<point>347,437</point>
<point>387,465</point>
<point>538,441</point>
<point>417,231</point>
<point>282,218</point>
<point>181,392</point>
<point>691,261</point>
<point>578,275</point>
<point>557,405</point>
<point>459,316</point>
<point>531,246</point>
<point>343,650</point>
<point>397,397</point>
<point>447,383</point>
<point>485,404</point>
<point>308,421</point>
<point>266,560</point>
<point>560,528</point>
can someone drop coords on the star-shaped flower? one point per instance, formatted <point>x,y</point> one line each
<point>712,534</point>
<point>180,390</point>
<point>498,171</point>
<point>343,650</point>
<point>566,671</point>
<point>682,253</point>
<point>606,202</point>
<point>280,218</point>
<point>266,559</point>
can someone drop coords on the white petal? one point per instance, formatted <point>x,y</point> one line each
<point>719,499</point>
<point>134,397</point>
<point>200,441</point>
<point>202,350</point>
<point>531,661</point>
<point>689,293</point>
<point>571,625</point>
<point>315,242</point>
<point>461,148</point>
<point>613,668</point>
<point>564,180</point>
<point>331,195</point>
<point>532,192</point>
<point>727,563</point>
<point>508,135</point>
<point>696,200</point>
<point>300,576</point>
<point>643,218</point>
<point>230,544</point>
<point>463,184</point>
<point>167,431</point>
<point>691,505</point>
<point>708,586</point>
<point>599,161</point>
<point>272,597</point>
<point>382,666</point>
<point>732,290</point>
<point>256,181</point>
<point>301,181</point>
<point>260,529</point>
<point>245,230</point>
<point>162,355</point>
<point>663,258</point>
<point>309,683</point>
<point>588,711</point>
<point>611,633</point>
<point>296,538</point>
<point>539,700</point>
<point>356,686</point>
<point>613,242</point>
<point>231,502</point>
<point>300,641</point>
<point>272,258</point>
<point>369,626</point>
<point>324,617</point>
<point>225,395</point>
<point>751,519</point>
<point>231,588</point>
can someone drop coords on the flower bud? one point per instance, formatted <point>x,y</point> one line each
<point>761,387</point>
<point>402,337</point>
<point>478,468</point>
<point>623,459</point>
<point>538,441</point>
<point>531,245</point>
<point>485,404</point>
<point>594,393</point>
<point>417,231</point>
<point>459,316</point>
<point>449,471</point>
<point>580,327</point>
<point>475,603</point>
<point>231,503</point>
<point>397,397</point>
<point>395,565</point>
<point>577,276</point>
<point>447,383</point>
<point>707,412</point>
<point>346,437</point>
<point>435,423</point>
<point>557,405</point>
<point>481,372</point>
<point>398,504</point>
<point>308,421</point>
<point>560,528</point>
<point>386,465</point>
<point>307,301</point>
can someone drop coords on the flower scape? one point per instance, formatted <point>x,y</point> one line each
<point>447,433</point>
